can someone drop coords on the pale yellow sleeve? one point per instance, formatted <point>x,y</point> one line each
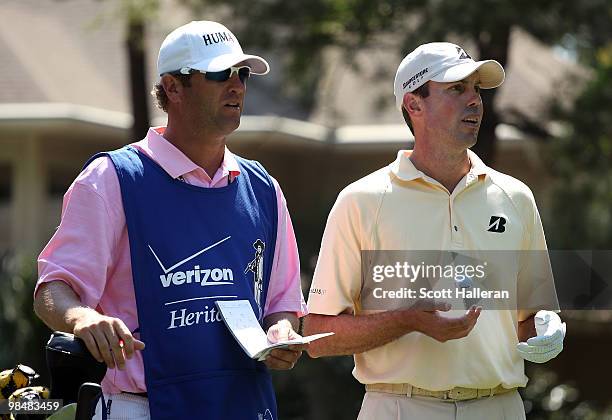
<point>536,286</point>
<point>336,282</point>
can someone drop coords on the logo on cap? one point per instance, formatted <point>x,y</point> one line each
<point>414,79</point>
<point>462,54</point>
<point>217,37</point>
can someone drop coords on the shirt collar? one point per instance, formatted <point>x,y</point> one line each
<point>403,168</point>
<point>175,162</point>
<point>478,166</point>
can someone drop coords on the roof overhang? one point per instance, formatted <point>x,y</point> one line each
<point>80,120</point>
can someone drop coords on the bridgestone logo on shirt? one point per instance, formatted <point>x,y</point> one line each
<point>204,276</point>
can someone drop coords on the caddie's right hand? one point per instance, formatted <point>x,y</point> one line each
<point>433,324</point>
<point>283,359</point>
<point>108,339</point>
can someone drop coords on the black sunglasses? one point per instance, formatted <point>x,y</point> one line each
<point>219,76</point>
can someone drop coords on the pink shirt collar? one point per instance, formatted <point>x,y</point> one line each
<point>173,161</point>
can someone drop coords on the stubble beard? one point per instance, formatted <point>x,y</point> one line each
<point>468,139</point>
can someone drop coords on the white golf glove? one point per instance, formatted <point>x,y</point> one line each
<point>549,340</point>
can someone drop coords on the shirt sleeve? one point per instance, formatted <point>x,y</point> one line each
<point>285,288</point>
<point>80,252</point>
<point>536,286</point>
<point>336,283</point>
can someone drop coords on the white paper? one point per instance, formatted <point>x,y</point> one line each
<point>239,317</point>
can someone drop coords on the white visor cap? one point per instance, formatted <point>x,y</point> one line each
<point>206,46</point>
<point>442,62</point>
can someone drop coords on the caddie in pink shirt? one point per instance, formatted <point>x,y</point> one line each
<point>152,234</point>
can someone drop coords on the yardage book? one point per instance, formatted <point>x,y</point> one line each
<point>240,319</point>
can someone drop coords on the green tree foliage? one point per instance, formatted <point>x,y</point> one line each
<point>581,161</point>
<point>302,28</point>
<point>548,398</point>
<point>23,334</point>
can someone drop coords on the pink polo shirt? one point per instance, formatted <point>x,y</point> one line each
<point>90,250</point>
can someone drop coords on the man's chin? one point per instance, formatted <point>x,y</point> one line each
<point>468,141</point>
<point>231,125</point>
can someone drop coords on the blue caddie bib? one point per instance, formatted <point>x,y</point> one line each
<point>191,246</point>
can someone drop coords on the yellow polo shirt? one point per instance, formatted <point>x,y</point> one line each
<point>400,208</point>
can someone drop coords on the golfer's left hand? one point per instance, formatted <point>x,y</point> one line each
<point>548,342</point>
<point>283,359</point>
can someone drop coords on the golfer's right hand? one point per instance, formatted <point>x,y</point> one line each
<point>441,328</point>
<point>108,339</point>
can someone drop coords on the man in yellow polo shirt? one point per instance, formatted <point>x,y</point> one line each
<point>429,362</point>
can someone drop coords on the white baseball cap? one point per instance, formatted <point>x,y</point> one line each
<point>442,62</point>
<point>206,46</point>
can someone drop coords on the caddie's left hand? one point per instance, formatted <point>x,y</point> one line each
<point>283,359</point>
<point>548,342</point>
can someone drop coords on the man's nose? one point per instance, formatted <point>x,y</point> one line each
<point>236,84</point>
<point>475,99</point>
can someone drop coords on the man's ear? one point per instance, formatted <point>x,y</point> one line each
<point>413,104</point>
<point>173,87</point>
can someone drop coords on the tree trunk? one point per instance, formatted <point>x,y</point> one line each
<point>494,47</point>
<point>139,91</point>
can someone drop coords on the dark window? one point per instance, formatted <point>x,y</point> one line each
<point>6,179</point>
<point>60,179</point>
